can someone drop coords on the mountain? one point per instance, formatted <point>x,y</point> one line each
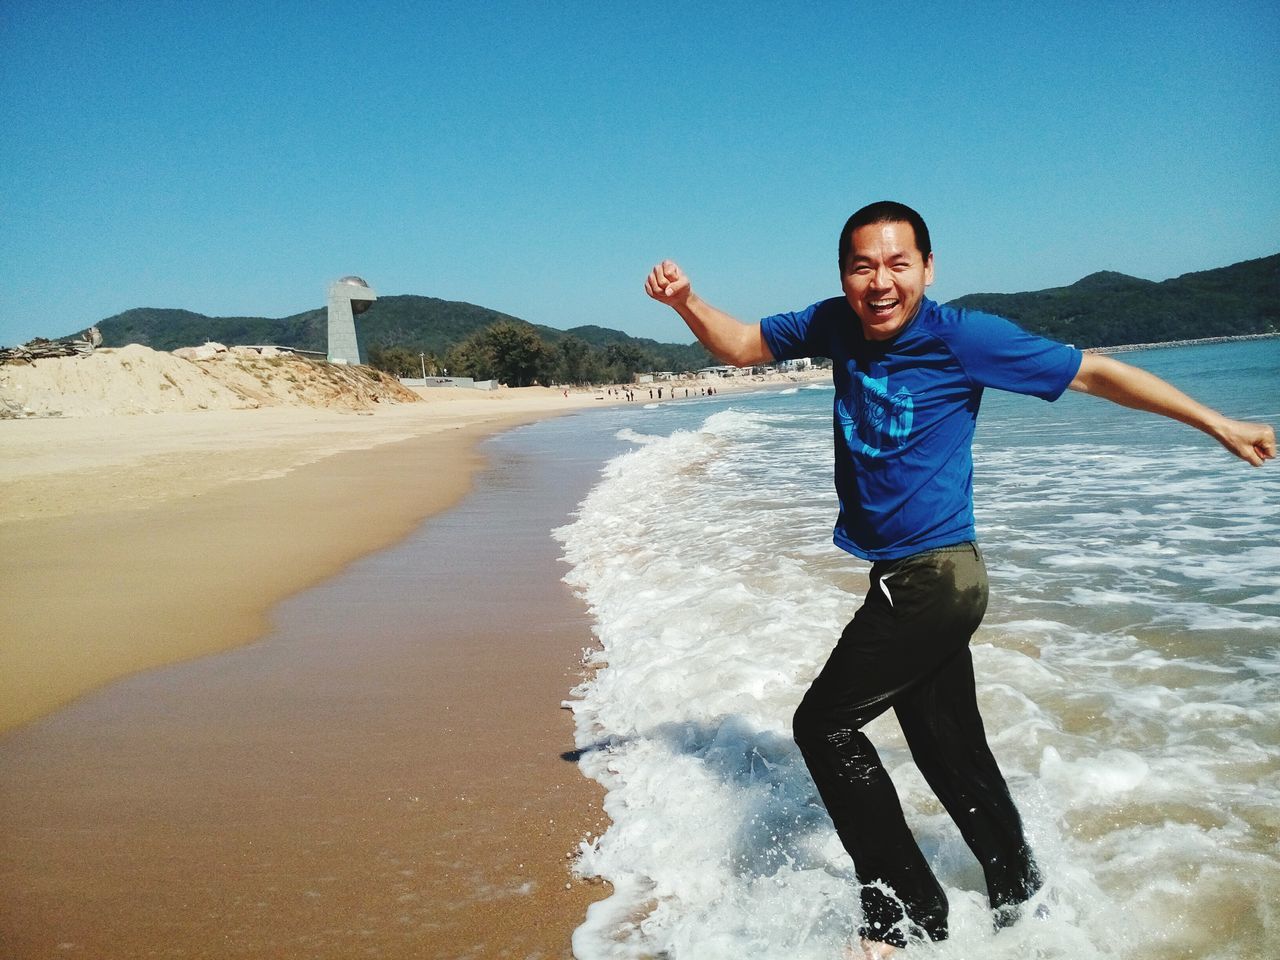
<point>419,324</point>
<point>1102,309</point>
<point>164,329</point>
<point>674,356</point>
<point>1107,309</point>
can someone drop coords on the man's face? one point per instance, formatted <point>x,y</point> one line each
<point>884,277</point>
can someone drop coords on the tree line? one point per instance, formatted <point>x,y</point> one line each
<point>517,356</point>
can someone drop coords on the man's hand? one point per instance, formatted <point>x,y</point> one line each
<point>1134,387</point>
<point>1251,442</point>
<point>728,339</point>
<point>668,284</point>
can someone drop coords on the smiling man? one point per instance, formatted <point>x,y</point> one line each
<point>909,376</point>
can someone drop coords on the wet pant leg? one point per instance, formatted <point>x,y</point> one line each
<point>943,728</point>
<point>907,647</point>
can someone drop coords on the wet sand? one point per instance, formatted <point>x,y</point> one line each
<point>131,542</point>
<point>383,775</point>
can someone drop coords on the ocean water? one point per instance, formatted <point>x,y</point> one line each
<point>1128,672</point>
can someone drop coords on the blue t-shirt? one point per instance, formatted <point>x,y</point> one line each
<point>905,411</point>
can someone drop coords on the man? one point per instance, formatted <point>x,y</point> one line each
<point>909,376</point>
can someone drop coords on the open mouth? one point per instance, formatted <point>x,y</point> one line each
<point>882,308</point>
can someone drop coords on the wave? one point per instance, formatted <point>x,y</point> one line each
<point>1125,676</point>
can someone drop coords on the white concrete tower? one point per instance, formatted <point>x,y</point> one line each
<point>347,297</point>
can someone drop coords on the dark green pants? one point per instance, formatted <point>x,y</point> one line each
<point>907,648</point>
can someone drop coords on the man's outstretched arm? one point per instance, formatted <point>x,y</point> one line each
<point>1132,387</point>
<point>729,339</point>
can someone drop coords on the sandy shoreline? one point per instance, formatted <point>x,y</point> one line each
<point>132,541</point>
<point>136,542</point>
<point>385,771</point>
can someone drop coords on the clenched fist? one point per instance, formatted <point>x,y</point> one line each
<point>668,284</point>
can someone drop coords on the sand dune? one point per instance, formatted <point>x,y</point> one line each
<point>137,379</point>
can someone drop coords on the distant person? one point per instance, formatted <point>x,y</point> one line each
<point>909,375</point>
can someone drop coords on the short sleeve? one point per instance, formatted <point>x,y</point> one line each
<point>805,333</point>
<point>996,352</point>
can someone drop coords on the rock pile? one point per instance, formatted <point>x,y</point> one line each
<point>42,349</point>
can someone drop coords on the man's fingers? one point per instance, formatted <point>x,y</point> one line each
<point>1267,447</point>
<point>1262,444</point>
<point>665,280</point>
<point>655,284</point>
<point>1255,443</point>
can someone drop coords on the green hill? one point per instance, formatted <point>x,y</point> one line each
<point>670,356</point>
<point>418,324</point>
<point>163,329</point>
<point>1107,309</point>
<point>1102,309</point>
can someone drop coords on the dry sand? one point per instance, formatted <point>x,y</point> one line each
<point>377,777</point>
<point>130,542</point>
<point>134,541</point>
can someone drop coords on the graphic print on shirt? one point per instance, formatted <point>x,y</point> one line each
<point>872,420</point>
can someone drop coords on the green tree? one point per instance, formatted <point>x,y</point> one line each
<point>469,359</point>
<point>509,352</point>
<point>402,361</point>
<point>593,368</point>
<point>573,361</point>
<point>397,361</point>
<point>623,360</point>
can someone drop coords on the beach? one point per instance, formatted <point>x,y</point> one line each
<point>171,791</point>
<point>334,726</point>
<point>136,541</point>
<point>1125,670</point>
<point>197,810</point>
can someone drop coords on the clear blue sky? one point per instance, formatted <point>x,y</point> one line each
<point>232,158</point>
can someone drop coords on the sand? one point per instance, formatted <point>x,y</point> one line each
<point>134,541</point>
<point>131,542</point>
<point>387,773</point>
<point>201,799</point>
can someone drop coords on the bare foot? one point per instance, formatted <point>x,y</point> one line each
<point>875,950</point>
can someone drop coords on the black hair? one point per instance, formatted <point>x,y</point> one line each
<point>885,211</point>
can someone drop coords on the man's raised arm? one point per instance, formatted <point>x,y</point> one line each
<point>729,339</point>
<point>1134,387</point>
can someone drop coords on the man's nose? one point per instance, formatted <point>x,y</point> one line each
<point>880,279</point>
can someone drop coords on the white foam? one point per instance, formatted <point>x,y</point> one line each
<point>634,436</point>
<point>1126,675</point>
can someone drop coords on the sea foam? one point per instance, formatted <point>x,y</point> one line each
<point>1126,675</point>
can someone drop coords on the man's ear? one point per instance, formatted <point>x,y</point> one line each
<point>928,269</point>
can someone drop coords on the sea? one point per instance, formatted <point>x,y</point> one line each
<point>1128,674</point>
